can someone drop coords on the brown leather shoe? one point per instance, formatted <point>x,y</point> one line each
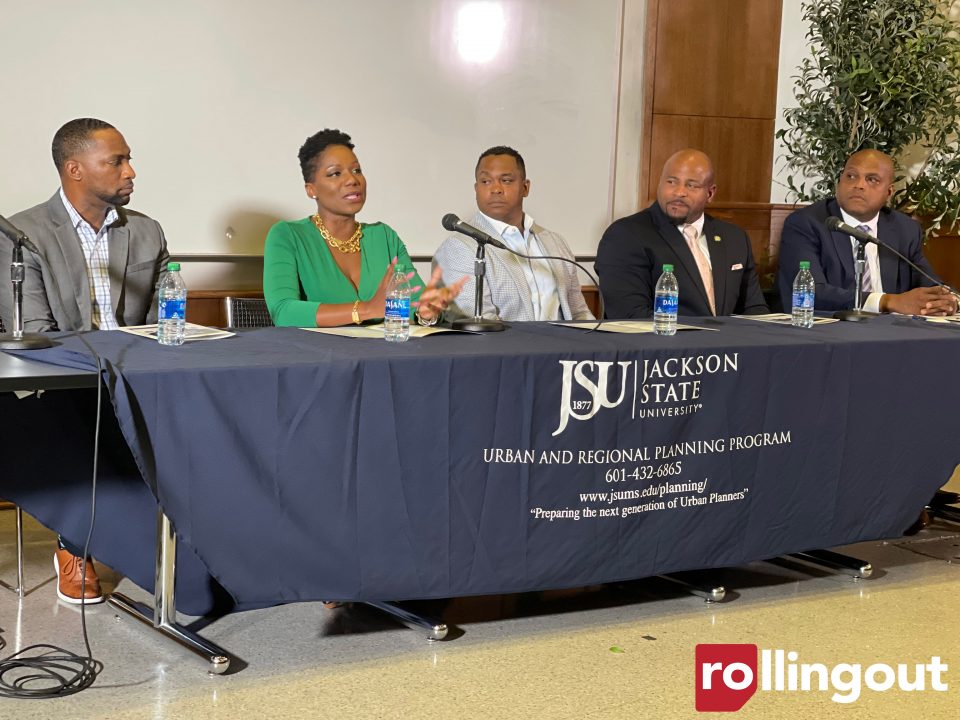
<point>69,569</point>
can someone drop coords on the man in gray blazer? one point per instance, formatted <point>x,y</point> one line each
<point>98,267</point>
<point>513,288</point>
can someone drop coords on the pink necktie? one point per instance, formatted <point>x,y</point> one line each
<point>867,278</point>
<point>691,235</point>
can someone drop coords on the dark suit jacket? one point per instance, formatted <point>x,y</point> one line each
<point>806,237</point>
<point>632,253</point>
<point>56,290</point>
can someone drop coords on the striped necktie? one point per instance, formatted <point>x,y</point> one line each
<point>867,276</point>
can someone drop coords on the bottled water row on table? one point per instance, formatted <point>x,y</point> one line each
<point>667,294</point>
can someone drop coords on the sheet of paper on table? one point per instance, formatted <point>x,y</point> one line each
<point>783,319</point>
<point>376,331</point>
<point>624,326</point>
<point>191,332</point>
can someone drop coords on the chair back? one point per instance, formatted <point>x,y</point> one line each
<point>246,312</point>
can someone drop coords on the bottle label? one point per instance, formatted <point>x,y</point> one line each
<point>803,300</point>
<point>666,304</point>
<point>397,308</point>
<point>173,309</point>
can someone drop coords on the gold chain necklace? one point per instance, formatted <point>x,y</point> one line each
<point>345,246</point>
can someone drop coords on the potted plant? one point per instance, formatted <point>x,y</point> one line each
<point>881,74</point>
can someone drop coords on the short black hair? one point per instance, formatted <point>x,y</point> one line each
<point>316,144</point>
<point>74,137</point>
<point>502,150</point>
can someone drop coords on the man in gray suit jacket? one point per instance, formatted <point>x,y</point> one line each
<point>99,266</point>
<point>513,288</point>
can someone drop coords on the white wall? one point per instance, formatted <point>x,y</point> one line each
<point>793,48</point>
<point>215,98</point>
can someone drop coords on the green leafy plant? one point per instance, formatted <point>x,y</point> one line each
<point>881,74</point>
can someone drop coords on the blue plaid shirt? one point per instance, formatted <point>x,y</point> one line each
<point>96,252</point>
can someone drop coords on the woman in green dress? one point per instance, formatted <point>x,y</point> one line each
<point>329,269</point>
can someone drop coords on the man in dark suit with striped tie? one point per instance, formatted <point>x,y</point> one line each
<point>889,284</point>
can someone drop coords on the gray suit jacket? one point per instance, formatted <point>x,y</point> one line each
<point>506,294</point>
<point>56,289</point>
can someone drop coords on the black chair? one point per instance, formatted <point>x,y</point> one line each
<point>246,312</point>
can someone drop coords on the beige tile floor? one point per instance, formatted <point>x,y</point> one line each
<point>537,655</point>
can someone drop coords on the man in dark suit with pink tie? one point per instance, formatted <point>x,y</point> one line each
<point>712,259</point>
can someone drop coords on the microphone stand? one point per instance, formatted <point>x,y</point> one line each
<point>17,339</point>
<point>857,315</point>
<point>478,323</point>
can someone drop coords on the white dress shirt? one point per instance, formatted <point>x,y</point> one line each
<point>539,275</point>
<point>96,252</point>
<point>872,303</point>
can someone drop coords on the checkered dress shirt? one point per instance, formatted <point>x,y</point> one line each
<point>96,252</point>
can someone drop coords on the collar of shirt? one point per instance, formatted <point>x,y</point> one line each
<point>77,221</point>
<point>512,238</point>
<point>853,222</point>
<point>698,224</point>
<point>701,238</point>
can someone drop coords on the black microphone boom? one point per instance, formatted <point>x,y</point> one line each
<point>454,224</point>
<point>838,225</point>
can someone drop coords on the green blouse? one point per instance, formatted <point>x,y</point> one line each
<point>300,274</point>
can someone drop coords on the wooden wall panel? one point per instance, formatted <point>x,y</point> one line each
<point>763,222</point>
<point>713,67</point>
<point>717,57</point>
<point>205,307</point>
<point>944,255</point>
<point>741,150</point>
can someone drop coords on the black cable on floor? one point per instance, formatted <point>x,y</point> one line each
<point>56,672</point>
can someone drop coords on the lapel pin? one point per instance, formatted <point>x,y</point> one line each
<point>716,238</point>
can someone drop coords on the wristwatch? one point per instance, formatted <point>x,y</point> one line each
<point>354,314</point>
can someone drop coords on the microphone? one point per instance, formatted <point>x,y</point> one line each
<point>18,236</point>
<point>454,224</point>
<point>838,225</point>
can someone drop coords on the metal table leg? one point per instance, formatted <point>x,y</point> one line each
<point>163,616</point>
<point>436,630</point>
<point>19,589</point>
<point>859,569</point>
<point>711,592</point>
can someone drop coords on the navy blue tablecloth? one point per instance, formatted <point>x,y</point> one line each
<point>297,466</point>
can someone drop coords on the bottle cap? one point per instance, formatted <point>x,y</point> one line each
<point>804,264</point>
<point>173,267</point>
<point>668,268</point>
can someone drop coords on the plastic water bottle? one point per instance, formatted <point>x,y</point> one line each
<point>172,311</point>
<point>665,304</point>
<point>803,292</point>
<point>396,315</point>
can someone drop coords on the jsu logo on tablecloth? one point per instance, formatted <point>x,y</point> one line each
<point>594,377</point>
<point>668,387</point>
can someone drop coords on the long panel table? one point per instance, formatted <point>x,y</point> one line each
<point>297,466</point>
